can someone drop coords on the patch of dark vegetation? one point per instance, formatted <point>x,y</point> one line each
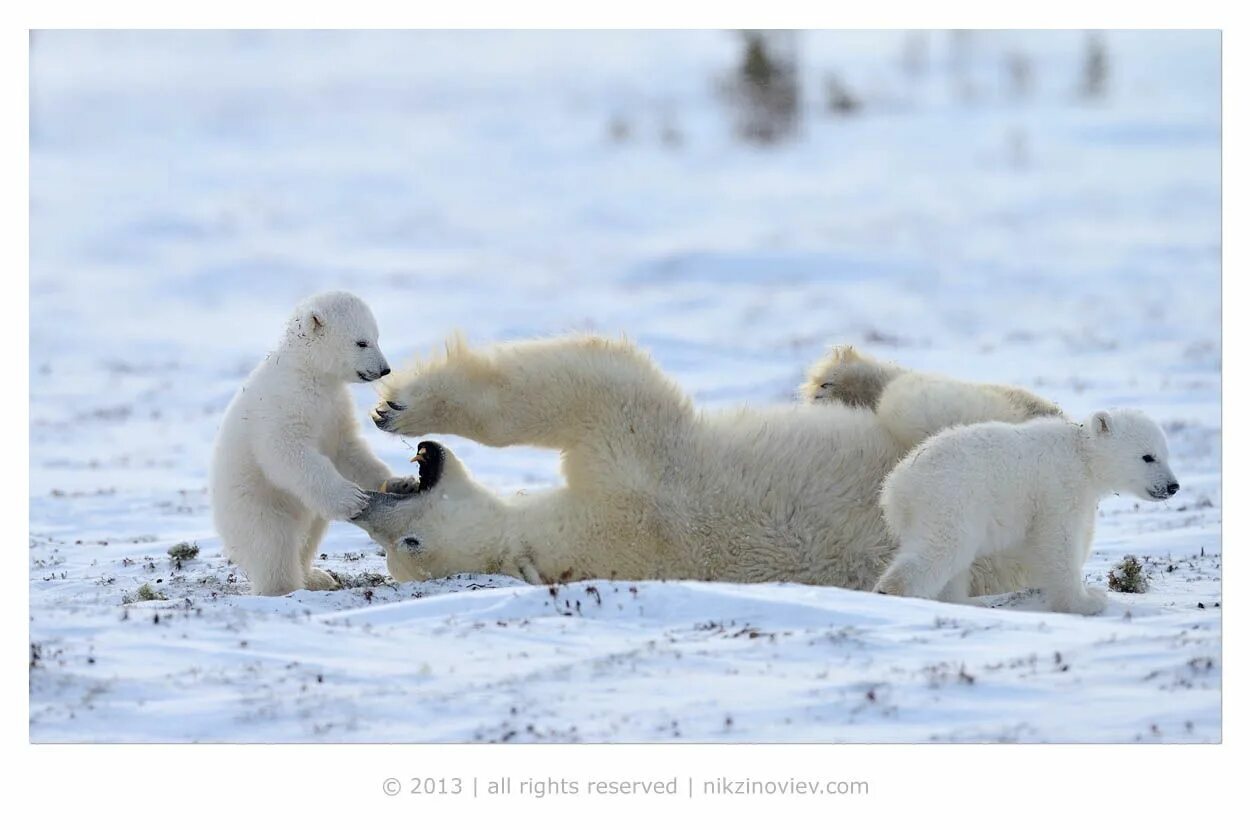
<point>366,579</point>
<point>183,552</point>
<point>764,89</point>
<point>1128,577</point>
<point>144,593</point>
<point>1202,504</point>
<point>350,556</point>
<point>940,674</point>
<point>1095,69</point>
<point>734,630</point>
<point>1197,672</point>
<point>839,99</point>
<point>71,494</point>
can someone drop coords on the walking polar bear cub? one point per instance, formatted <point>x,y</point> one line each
<point>1028,491</point>
<point>655,488</point>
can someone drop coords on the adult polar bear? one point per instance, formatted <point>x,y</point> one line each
<point>654,488</point>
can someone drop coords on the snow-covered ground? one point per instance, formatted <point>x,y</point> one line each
<point>977,216</point>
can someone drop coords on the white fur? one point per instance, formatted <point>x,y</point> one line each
<point>289,455</point>
<point>1022,491</point>
<point>915,405</point>
<point>655,489</point>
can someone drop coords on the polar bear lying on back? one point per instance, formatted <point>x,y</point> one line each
<point>654,488</point>
<point>1017,490</point>
<point>289,455</point>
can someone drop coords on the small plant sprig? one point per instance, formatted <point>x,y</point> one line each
<point>183,552</point>
<point>1128,577</point>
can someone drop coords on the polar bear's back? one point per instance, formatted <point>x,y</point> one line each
<point>787,493</point>
<point>916,406</point>
<point>975,480</point>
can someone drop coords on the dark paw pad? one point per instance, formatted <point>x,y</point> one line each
<point>401,486</point>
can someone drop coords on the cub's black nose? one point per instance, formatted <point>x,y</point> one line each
<point>1172,488</point>
<point>386,370</point>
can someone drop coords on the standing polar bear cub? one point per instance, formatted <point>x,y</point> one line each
<point>289,456</point>
<point>1025,491</point>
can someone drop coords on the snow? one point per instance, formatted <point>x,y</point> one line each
<point>188,188</point>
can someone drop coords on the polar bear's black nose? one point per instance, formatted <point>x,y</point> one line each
<point>386,370</point>
<point>1172,488</point>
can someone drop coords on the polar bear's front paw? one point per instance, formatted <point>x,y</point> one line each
<point>348,505</point>
<point>1095,601</point>
<point>319,580</point>
<point>385,415</point>
<point>893,583</point>
<point>402,486</point>
<point>1087,601</point>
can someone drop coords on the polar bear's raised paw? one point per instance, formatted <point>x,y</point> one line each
<point>383,414</point>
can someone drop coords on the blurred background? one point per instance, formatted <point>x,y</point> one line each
<point>1035,208</point>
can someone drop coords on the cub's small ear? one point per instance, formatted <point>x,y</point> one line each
<point>1100,422</point>
<point>314,321</point>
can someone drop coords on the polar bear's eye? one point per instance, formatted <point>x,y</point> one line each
<point>1149,459</point>
<point>364,344</point>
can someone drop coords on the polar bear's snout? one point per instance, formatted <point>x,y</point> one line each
<point>1166,491</point>
<point>366,377</point>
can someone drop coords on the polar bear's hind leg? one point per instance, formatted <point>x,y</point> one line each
<point>317,579</point>
<point>270,556</point>
<point>922,571</point>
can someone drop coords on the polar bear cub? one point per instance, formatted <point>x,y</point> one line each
<point>1026,491</point>
<point>914,405</point>
<point>289,455</point>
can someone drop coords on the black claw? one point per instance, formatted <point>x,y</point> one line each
<point>381,420</point>
<point>398,407</point>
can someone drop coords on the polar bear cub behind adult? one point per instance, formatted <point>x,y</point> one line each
<point>1026,490</point>
<point>914,405</point>
<point>289,455</point>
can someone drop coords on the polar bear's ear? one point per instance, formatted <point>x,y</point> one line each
<point>314,321</point>
<point>1100,422</point>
